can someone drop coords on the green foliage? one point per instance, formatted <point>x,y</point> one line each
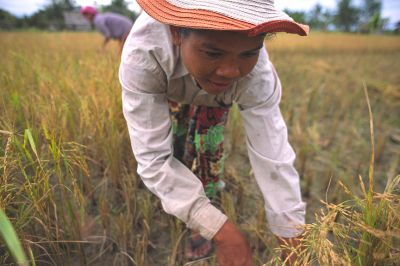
<point>372,20</point>
<point>10,238</point>
<point>121,7</point>
<point>7,20</point>
<point>347,16</point>
<point>51,16</point>
<point>319,19</point>
<point>372,8</point>
<point>298,16</point>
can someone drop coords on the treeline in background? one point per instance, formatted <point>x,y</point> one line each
<point>60,15</point>
<point>346,16</point>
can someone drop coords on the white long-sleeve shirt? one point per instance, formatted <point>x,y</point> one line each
<point>151,72</point>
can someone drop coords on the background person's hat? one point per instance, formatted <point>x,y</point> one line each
<point>88,10</point>
<point>253,16</point>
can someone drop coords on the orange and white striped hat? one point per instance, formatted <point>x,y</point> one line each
<point>252,16</point>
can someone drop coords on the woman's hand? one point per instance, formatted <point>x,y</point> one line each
<point>232,248</point>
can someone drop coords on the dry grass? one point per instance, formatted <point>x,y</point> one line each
<point>68,179</point>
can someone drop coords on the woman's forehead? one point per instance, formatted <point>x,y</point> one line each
<point>226,40</point>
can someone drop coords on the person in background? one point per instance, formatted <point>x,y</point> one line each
<point>183,66</point>
<point>111,25</point>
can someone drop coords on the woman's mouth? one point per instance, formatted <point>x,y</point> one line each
<point>221,86</point>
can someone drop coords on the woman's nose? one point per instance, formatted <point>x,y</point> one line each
<point>228,71</point>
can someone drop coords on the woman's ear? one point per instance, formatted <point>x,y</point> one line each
<point>176,35</point>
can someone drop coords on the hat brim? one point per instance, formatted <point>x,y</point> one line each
<point>166,13</point>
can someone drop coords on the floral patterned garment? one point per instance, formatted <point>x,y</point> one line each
<point>198,141</point>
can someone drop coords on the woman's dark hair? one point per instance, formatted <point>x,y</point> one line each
<point>186,31</point>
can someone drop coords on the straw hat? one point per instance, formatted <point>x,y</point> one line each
<point>251,16</point>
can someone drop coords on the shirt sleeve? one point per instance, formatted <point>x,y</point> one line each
<point>271,155</point>
<point>146,111</point>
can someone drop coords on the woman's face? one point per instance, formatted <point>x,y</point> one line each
<point>216,59</point>
<point>89,17</point>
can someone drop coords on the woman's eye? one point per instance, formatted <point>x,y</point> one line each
<point>213,54</point>
<point>250,54</point>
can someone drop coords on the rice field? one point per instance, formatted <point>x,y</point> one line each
<point>68,177</point>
